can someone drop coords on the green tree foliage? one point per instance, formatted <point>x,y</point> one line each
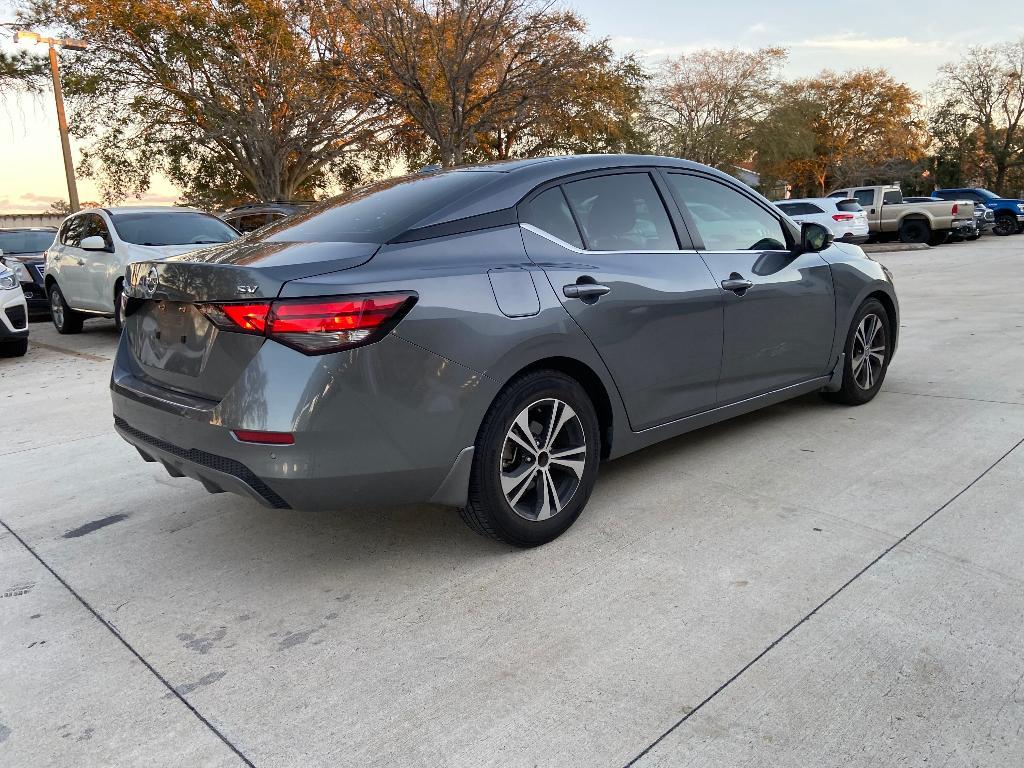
<point>22,71</point>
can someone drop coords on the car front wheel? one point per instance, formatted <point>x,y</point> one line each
<point>535,462</point>
<point>1005,225</point>
<point>65,319</point>
<point>868,351</point>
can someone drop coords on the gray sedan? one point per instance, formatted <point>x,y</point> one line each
<point>484,337</point>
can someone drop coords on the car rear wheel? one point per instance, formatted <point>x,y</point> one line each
<point>915,231</point>
<point>1005,225</point>
<point>868,351</point>
<point>16,348</point>
<point>535,462</point>
<point>65,319</point>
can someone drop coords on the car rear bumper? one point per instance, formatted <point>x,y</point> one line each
<point>383,424</point>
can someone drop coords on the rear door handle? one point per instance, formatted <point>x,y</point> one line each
<point>737,283</point>
<point>584,290</point>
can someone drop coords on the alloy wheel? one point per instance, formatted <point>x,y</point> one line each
<point>543,459</point>
<point>868,351</point>
<point>56,308</point>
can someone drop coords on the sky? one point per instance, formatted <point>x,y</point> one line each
<point>895,35</point>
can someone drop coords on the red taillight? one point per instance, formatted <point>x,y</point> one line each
<point>264,438</point>
<point>317,325</point>
<point>842,216</point>
<point>955,209</point>
<point>248,317</point>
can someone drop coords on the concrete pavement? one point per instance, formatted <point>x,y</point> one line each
<point>808,585</point>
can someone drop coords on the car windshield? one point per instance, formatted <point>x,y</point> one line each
<point>27,241</point>
<point>171,228</point>
<point>987,194</point>
<point>379,212</point>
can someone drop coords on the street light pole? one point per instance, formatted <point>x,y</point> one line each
<point>24,36</point>
<point>62,125</point>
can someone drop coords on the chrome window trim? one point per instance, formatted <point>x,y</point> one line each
<point>574,249</point>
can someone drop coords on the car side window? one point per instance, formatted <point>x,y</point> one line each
<point>866,197</point>
<point>95,225</point>
<point>71,233</point>
<point>621,212</point>
<point>892,197</point>
<point>726,219</point>
<point>550,213</point>
<point>812,208</point>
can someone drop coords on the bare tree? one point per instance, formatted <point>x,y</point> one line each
<point>708,103</point>
<point>459,71</point>
<point>987,84</point>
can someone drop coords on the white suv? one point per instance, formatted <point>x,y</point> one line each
<point>843,216</point>
<point>86,264</point>
<point>13,315</point>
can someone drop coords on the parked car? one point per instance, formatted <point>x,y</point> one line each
<point>85,266</point>
<point>983,219</point>
<point>889,216</point>
<point>22,250</point>
<point>13,315</point>
<point>253,216</point>
<point>483,337</point>
<point>1009,214</point>
<point>844,218</point>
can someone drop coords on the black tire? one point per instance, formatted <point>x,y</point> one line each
<point>66,320</point>
<point>1005,225</point>
<point>938,237</point>
<point>15,348</point>
<point>915,231</point>
<point>853,391</point>
<point>488,511</point>
<point>118,305</point>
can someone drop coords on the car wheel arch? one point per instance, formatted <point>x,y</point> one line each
<point>592,384</point>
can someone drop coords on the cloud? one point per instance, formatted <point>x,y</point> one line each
<point>849,42</point>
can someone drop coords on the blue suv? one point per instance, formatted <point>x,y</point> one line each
<point>1009,213</point>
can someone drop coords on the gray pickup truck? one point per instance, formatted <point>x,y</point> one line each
<point>889,216</point>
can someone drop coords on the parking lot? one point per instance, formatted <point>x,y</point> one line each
<point>809,585</point>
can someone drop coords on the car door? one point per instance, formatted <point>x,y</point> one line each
<point>101,267</point>
<point>69,260</point>
<point>651,307</point>
<point>778,308</point>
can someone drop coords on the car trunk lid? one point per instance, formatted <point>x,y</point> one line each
<point>175,345</point>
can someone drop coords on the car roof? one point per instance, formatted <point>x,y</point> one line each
<point>815,200</point>
<point>522,176</point>
<point>116,209</point>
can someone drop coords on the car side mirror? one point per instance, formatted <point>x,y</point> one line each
<point>93,243</point>
<point>815,237</point>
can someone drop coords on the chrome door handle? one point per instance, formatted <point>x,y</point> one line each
<point>584,290</point>
<point>737,283</point>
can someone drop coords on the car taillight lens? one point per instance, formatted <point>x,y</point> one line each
<point>955,209</point>
<point>842,216</point>
<point>319,325</point>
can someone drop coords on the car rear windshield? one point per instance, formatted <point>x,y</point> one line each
<point>848,206</point>
<point>379,212</point>
<point>27,241</point>
<point>171,228</point>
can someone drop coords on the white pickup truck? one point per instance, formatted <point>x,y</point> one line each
<point>889,216</point>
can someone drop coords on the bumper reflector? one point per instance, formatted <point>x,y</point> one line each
<point>263,438</point>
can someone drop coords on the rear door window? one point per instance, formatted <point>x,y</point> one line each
<point>726,219</point>
<point>621,212</point>
<point>550,213</point>
<point>866,197</point>
<point>892,197</point>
